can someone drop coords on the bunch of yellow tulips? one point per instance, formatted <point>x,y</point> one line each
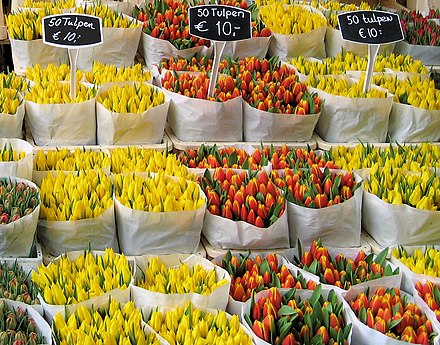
<point>395,187</point>
<point>51,73</point>
<point>110,18</point>
<point>180,280</point>
<point>8,154</point>
<point>13,81</point>
<point>188,325</point>
<point>113,325</point>
<point>27,25</point>
<point>290,19</point>
<point>102,73</point>
<point>157,194</point>
<point>59,93</point>
<point>407,157</point>
<point>9,101</point>
<point>131,98</point>
<point>135,159</point>
<point>421,262</point>
<point>67,281</point>
<point>342,87</point>
<point>413,91</point>
<point>61,4</point>
<point>67,160</point>
<point>74,197</point>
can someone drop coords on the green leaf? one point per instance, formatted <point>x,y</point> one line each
<point>316,295</point>
<point>285,329</point>
<point>308,321</point>
<point>332,297</point>
<point>381,257</point>
<point>347,330</point>
<point>317,339</point>
<point>289,295</point>
<point>286,310</point>
<point>363,315</point>
<point>436,294</point>
<point>264,267</point>
<point>395,322</point>
<point>326,317</point>
<point>248,320</point>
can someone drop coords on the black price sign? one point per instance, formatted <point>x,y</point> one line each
<point>370,27</point>
<point>72,30</point>
<point>220,23</point>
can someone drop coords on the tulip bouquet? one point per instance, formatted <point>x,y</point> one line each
<point>15,285</point>
<point>64,159</point>
<point>246,206</point>
<point>297,316</point>
<point>166,280</point>
<point>297,29</point>
<point>76,209</point>
<point>112,324</point>
<point>51,103</point>
<point>415,101</point>
<point>166,30</point>
<point>191,106</point>
<point>430,294</point>
<point>130,113</point>
<point>158,213</point>
<point>384,313</point>
<point>26,36</point>
<point>51,73</point>
<point>103,73</point>
<point>410,200</point>
<point>345,271</point>
<point>369,111</point>
<point>59,4</point>
<point>417,264</point>
<point>12,108</point>
<point>285,157</point>
<point>13,81</point>
<point>77,277</point>
<point>316,194</point>
<point>19,209</point>
<point>187,324</point>
<point>193,64</point>
<point>8,154</point>
<point>133,159</point>
<point>405,157</point>
<point>252,273</point>
<point>120,32</point>
<point>19,324</point>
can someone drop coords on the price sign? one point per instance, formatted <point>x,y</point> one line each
<point>370,27</point>
<point>220,23</point>
<point>72,30</point>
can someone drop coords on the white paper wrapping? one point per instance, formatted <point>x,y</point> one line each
<point>122,296</point>
<point>334,45</point>
<point>255,46</point>
<point>130,128</point>
<point>29,53</point>
<point>306,44</point>
<point>234,307</point>
<point>411,124</point>
<point>345,119</point>
<point>225,233</point>
<point>302,295</point>
<point>11,125</point>
<point>409,277</point>
<point>351,253</point>
<point>155,50</point>
<point>141,232</point>
<point>17,238</point>
<point>193,119</point>
<point>390,225</point>
<point>218,299</point>
<point>119,48</point>
<point>62,124</point>
<point>428,54</point>
<point>334,224</point>
<point>364,335</point>
<point>21,168</point>
<point>60,237</point>
<point>41,324</point>
<point>261,125</point>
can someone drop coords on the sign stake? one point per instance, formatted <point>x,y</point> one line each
<point>73,57</point>
<point>218,50</point>
<point>372,53</point>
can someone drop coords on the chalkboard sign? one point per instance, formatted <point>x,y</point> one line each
<point>220,22</point>
<point>370,27</point>
<point>72,30</point>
